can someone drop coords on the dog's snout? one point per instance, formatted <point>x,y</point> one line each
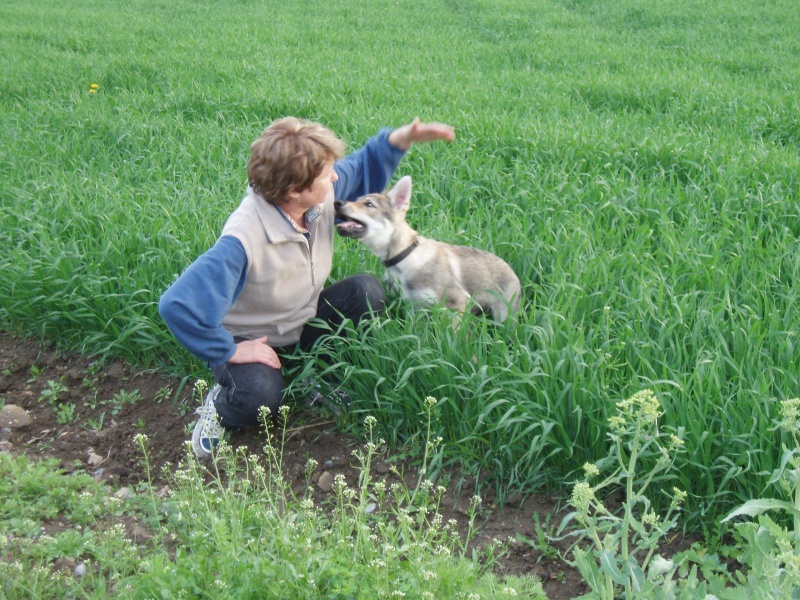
<point>337,204</point>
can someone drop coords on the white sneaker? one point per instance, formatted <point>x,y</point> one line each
<point>207,432</point>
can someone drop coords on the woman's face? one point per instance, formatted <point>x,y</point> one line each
<point>319,190</point>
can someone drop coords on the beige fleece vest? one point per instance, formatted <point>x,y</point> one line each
<point>285,272</point>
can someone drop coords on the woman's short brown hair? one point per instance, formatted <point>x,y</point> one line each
<point>289,156</point>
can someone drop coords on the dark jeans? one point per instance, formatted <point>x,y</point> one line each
<point>248,387</point>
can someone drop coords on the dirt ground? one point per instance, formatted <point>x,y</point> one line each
<point>113,402</point>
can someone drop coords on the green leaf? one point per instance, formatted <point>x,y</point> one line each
<point>590,573</point>
<point>778,473</point>
<point>753,508</point>
<point>608,565</point>
<point>660,566</point>
<point>636,574</point>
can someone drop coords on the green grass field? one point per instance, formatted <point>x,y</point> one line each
<point>636,163</point>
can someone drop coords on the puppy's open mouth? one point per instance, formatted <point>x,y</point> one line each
<point>349,227</point>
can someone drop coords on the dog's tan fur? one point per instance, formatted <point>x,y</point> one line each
<point>432,271</point>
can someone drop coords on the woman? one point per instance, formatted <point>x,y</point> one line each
<point>250,297</point>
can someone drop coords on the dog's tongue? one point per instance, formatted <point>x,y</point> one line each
<point>344,225</point>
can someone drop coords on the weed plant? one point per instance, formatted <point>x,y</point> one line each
<point>619,558</point>
<point>618,552</point>
<point>771,548</point>
<point>635,163</point>
<point>235,529</point>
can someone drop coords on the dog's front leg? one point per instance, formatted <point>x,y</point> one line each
<point>456,299</point>
<point>391,284</point>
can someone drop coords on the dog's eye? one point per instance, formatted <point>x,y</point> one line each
<point>369,205</point>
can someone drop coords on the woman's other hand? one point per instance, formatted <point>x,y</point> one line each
<point>404,136</point>
<point>255,351</point>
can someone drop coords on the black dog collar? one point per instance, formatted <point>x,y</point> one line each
<point>390,262</point>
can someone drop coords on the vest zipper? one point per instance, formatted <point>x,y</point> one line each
<point>311,263</point>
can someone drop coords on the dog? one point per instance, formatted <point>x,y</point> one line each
<point>426,270</point>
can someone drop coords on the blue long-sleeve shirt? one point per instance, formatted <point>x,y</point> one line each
<point>196,303</point>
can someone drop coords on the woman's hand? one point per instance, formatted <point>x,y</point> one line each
<point>404,136</point>
<point>255,351</point>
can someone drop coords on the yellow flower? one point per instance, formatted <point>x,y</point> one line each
<point>790,414</point>
<point>94,86</point>
<point>591,470</point>
<point>650,518</point>
<point>582,497</point>
<point>678,496</point>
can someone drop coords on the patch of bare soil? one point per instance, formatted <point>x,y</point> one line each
<point>111,403</point>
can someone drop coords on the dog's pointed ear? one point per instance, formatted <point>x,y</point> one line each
<point>400,194</point>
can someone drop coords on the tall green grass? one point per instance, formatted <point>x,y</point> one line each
<point>636,163</point>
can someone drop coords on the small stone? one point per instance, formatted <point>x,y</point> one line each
<point>140,534</point>
<point>65,564</point>
<point>327,465</point>
<point>382,468</point>
<point>6,446</point>
<point>74,373</point>
<point>325,482</point>
<point>514,500</point>
<point>297,471</point>
<point>124,493</point>
<point>106,476</point>
<point>115,371</point>
<point>14,416</point>
<point>80,570</point>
